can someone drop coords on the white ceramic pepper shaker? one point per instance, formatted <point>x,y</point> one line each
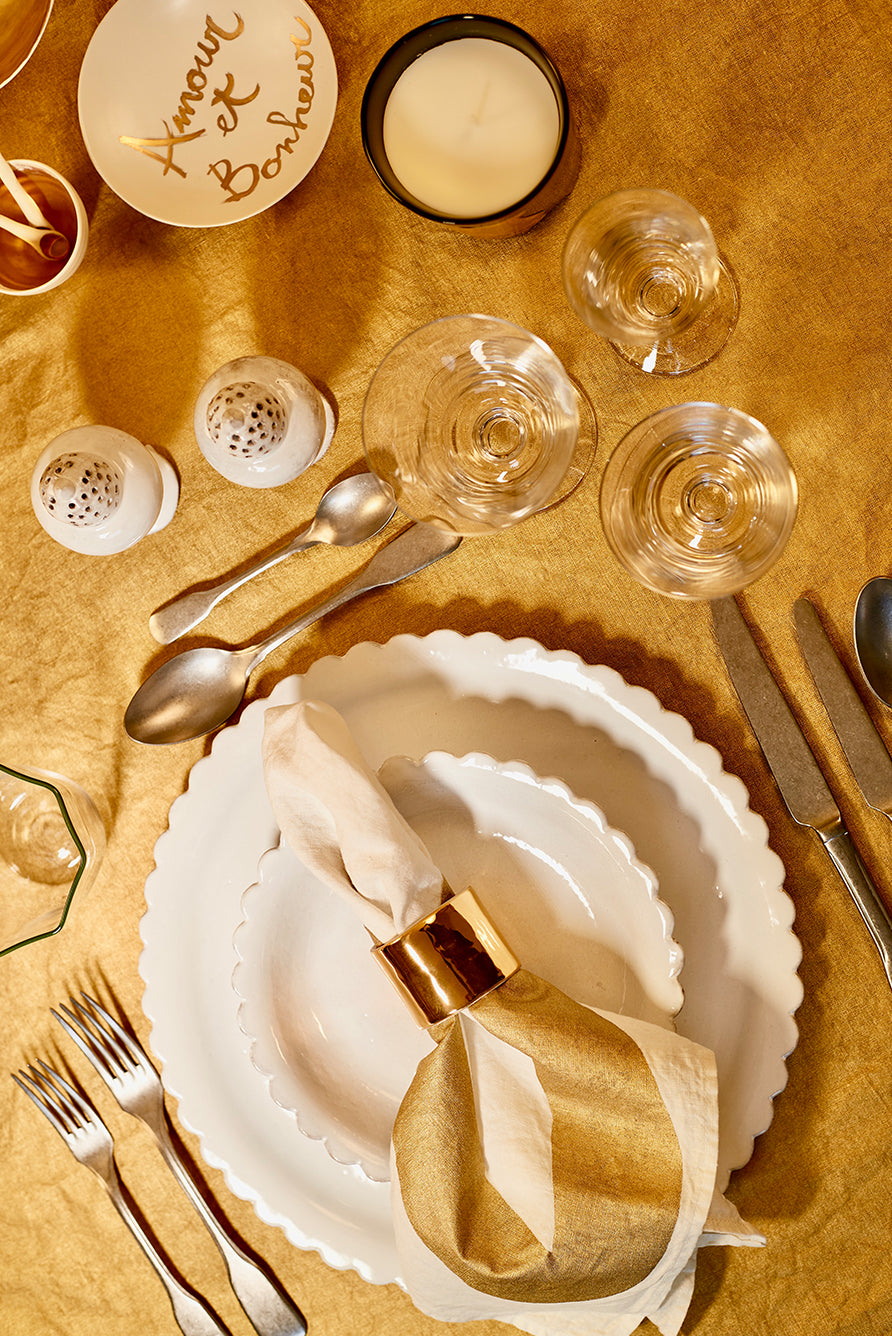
<point>260,422</point>
<point>97,490</point>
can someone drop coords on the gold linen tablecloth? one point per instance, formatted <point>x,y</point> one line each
<point>773,120</point>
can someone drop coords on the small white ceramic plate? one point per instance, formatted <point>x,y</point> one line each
<point>201,119</point>
<point>328,1031</point>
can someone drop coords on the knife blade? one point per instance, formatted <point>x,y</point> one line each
<point>864,749</point>
<point>797,774</point>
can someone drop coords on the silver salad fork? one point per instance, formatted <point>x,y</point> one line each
<point>136,1085</point>
<point>90,1141</point>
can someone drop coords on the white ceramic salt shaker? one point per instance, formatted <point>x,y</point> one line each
<point>260,422</point>
<point>97,490</point>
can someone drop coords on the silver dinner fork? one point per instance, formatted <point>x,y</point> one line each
<point>90,1141</point>
<point>128,1073</point>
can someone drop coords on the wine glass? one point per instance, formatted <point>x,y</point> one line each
<point>641,268</point>
<point>476,425</point>
<point>698,500</point>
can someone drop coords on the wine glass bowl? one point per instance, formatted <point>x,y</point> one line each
<point>698,501</point>
<point>641,268</point>
<point>475,424</point>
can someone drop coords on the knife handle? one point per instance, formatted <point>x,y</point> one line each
<point>859,884</point>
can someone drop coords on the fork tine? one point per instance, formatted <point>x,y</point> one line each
<point>32,1087</point>
<point>131,1046</point>
<point>73,1103</point>
<point>84,1038</point>
<point>54,1096</point>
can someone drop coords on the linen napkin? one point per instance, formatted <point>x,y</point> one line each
<point>552,1166</point>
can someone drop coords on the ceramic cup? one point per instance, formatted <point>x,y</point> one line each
<point>24,273</point>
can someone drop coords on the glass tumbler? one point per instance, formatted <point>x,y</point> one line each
<point>51,841</point>
<point>476,425</point>
<point>698,501</point>
<point>641,269</point>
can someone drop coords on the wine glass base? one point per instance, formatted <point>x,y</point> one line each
<point>695,346</point>
<point>583,454</point>
<point>698,501</point>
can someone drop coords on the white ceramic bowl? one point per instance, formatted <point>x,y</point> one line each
<point>328,1031</point>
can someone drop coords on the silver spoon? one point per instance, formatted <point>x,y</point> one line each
<point>46,241</point>
<point>27,203</point>
<point>873,636</point>
<point>350,512</point>
<point>196,691</point>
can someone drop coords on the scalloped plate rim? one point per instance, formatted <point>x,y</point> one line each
<point>441,646</point>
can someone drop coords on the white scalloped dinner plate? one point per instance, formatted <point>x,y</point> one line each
<point>575,905</point>
<point>201,118</point>
<point>611,744</point>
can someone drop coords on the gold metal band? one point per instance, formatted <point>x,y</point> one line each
<point>447,960</point>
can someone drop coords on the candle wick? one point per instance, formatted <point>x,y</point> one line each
<point>478,114</point>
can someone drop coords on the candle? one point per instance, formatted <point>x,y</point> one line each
<point>471,127</point>
<point>465,120</point>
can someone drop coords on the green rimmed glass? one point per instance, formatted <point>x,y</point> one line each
<point>51,841</point>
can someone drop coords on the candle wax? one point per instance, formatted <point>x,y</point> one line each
<point>471,127</point>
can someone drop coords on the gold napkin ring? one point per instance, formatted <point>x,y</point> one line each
<point>447,960</point>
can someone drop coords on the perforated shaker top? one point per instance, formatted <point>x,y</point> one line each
<point>246,419</point>
<point>80,489</point>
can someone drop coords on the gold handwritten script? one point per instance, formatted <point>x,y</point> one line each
<point>196,82</point>
<point>236,181</point>
<point>226,96</point>
<point>240,181</point>
<point>168,143</point>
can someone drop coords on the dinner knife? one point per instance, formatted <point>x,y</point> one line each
<point>802,785</point>
<point>864,749</point>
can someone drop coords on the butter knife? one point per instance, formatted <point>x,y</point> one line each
<point>865,750</point>
<point>802,785</point>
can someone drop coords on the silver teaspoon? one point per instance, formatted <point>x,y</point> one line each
<point>46,241</point>
<point>873,636</point>
<point>196,691</point>
<point>350,512</point>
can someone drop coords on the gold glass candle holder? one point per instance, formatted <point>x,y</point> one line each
<point>447,960</point>
<point>466,121</point>
<point>22,24</point>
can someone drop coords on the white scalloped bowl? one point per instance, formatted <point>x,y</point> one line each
<point>328,1032</point>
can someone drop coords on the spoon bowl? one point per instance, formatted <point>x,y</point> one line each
<point>44,241</point>
<point>873,636</point>
<point>350,512</point>
<point>190,695</point>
